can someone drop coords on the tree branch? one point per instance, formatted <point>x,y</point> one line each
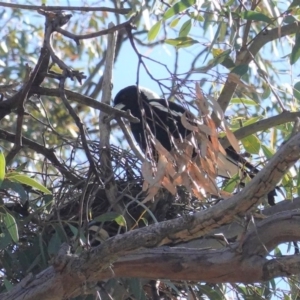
<point>245,56</point>
<point>84,100</point>
<point>262,125</point>
<point>38,148</point>
<point>208,265</point>
<point>122,11</point>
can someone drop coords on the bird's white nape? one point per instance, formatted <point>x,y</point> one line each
<point>148,93</point>
<point>120,106</point>
<point>166,109</point>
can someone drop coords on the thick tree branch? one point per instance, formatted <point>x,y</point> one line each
<point>231,232</point>
<point>225,263</point>
<point>208,265</point>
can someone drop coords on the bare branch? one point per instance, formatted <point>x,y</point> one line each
<point>130,141</point>
<point>77,37</point>
<point>84,100</point>
<point>122,11</point>
<point>23,96</point>
<point>47,153</point>
<point>105,128</point>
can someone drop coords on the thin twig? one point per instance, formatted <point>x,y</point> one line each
<point>130,141</point>
<point>77,37</point>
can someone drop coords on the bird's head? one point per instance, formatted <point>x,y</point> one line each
<point>132,96</point>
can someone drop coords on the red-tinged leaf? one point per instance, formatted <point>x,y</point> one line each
<point>209,167</point>
<point>170,170</point>
<point>202,181</point>
<point>161,169</point>
<point>231,138</point>
<point>151,194</point>
<point>205,129</point>
<point>147,173</point>
<point>145,186</point>
<point>161,149</point>
<point>186,123</point>
<point>216,108</point>
<point>166,183</point>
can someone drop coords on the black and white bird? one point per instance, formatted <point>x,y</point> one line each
<point>163,119</point>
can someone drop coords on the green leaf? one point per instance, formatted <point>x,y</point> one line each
<point>73,229</point>
<point>232,183</point>
<point>29,181</point>
<point>255,16</point>
<point>136,289</point>
<point>5,238</point>
<point>54,244</point>
<point>109,216</point>
<point>251,144</point>
<point>228,63</point>
<point>196,16</point>
<point>296,90</point>
<point>178,7</point>
<point>266,91</point>
<point>296,50</point>
<point>252,120</point>
<point>7,284</point>
<point>298,183</point>
<point>154,31</point>
<point>268,152</point>
<point>245,101</point>
<point>289,19</point>
<point>174,22</point>
<point>121,220</point>
<point>21,167</point>
<point>17,187</point>
<point>181,42</point>
<point>240,70</point>
<point>2,167</point>
<point>11,226</point>
<point>185,28</point>
<point>294,4</point>
<point>215,61</point>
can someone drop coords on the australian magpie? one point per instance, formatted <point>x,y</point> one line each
<point>162,119</point>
